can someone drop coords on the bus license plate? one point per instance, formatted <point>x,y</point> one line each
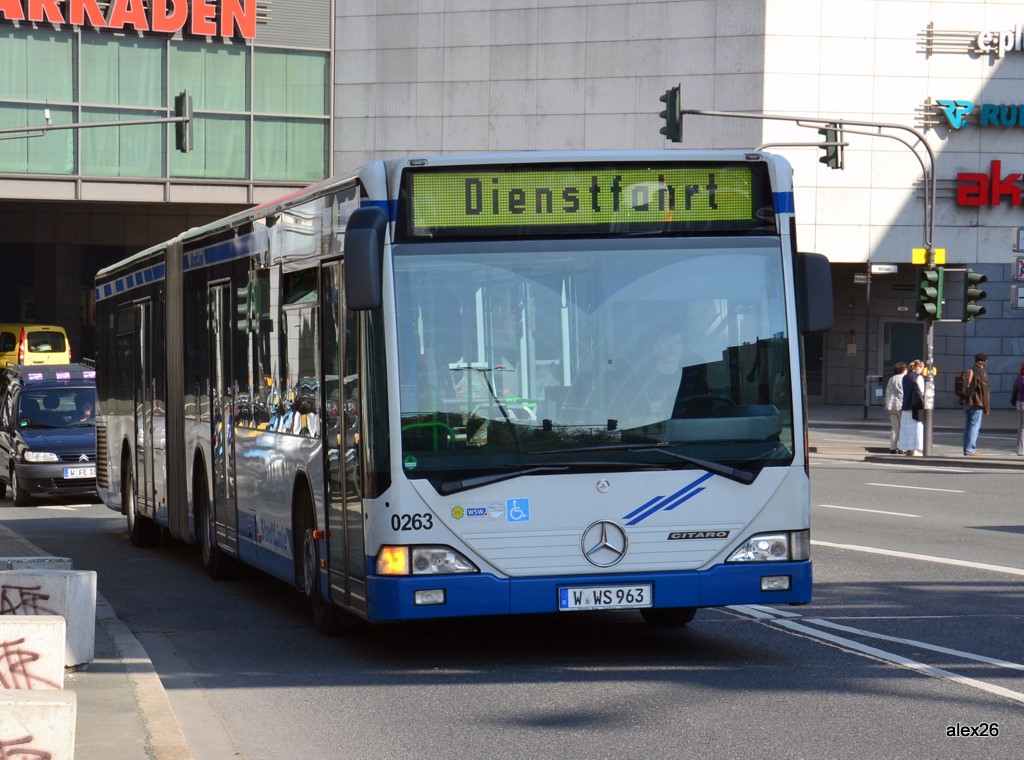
<point>79,472</point>
<point>604,597</point>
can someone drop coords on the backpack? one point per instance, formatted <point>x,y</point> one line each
<point>962,385</point>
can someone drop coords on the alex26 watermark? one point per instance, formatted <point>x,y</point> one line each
<point>982,729</point>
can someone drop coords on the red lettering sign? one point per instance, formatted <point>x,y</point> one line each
<point>128,13</point>
<point>45,10</point>
<point>204,18</point>
<point>988,189</point>
<point>79,9</point>
<point>160,20</point>
<point>12,10</point>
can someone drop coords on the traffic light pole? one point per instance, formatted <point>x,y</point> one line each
<point>875,129</point>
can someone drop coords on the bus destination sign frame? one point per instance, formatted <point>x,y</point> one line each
<point>519,200</point>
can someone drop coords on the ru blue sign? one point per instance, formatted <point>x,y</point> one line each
<point>981,114</point>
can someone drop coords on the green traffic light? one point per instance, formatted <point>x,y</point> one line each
<point>929,293</point>
<point>673,129</point>
<point>973,294</point>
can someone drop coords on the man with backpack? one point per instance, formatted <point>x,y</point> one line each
<point>975,398</point>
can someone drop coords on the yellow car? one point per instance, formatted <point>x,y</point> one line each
<point>33,344</point>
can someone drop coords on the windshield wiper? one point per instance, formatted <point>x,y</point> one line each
<point>454,486</point>
<point>733,473</point>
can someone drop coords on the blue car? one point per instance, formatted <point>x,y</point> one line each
<point>47,431</point>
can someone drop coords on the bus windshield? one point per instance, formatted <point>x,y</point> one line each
<point>608,353</point>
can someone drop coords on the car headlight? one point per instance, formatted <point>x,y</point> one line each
<point>774,547</point>
<point>422,560</point>
<point>40,456</point>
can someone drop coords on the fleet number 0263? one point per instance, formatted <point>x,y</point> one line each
<point>412,522</point>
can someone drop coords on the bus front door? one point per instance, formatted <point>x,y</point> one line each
<point>346,569</point>
<point>224,507</point>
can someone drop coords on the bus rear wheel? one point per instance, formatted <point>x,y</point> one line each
<point>668,617</point>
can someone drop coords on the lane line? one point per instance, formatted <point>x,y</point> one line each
<point>920,644</point>
<point>922,557</point>
<point>873,511</point>
<point>915,488</point>
<point>895,659</point>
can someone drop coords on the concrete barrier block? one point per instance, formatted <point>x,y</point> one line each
<point>71,593</point>
<point>35,563</point>
<point>38,724</point>
<point>31,653</point>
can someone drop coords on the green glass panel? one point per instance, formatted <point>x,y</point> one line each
<point>135,151</point>
<point>215,75</point>
<point>220,148</point>
<point>120,72</point>
<point>289,149</point>
<point>290,82</point>
<point>41,153</point>
<point>36,64</point>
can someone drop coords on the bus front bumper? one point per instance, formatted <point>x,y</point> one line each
<point>394,598</point>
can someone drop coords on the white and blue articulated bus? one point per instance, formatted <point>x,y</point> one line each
<point>478,385</point>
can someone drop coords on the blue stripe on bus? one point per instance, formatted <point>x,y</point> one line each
<point>783,202</point>
<point>391,598</point>
<point>388,207</point>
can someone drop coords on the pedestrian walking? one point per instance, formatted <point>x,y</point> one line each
<point>976,403</point>
<point>894,405</point>
<point>1017,399</point>
<point>911,440</point>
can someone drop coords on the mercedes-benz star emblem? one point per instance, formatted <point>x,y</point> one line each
<point>604,543</point>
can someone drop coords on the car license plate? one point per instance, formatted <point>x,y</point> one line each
<point>604,597</point>
<point>79,472</point>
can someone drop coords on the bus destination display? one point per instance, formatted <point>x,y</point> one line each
<point>577,199</point>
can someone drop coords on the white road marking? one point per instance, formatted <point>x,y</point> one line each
<point>784,620</point>
<point>919,644</point>
<point>904,662</point>
<point>915,488</point>
<point>923,557</point>
<point>874,511</point>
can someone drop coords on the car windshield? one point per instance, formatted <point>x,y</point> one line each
<point>602,353</point>
<point>57,407</point>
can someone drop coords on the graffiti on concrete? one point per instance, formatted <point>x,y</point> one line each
<point>23,600</point>
<point>16,668</point>
<point>14,749</point>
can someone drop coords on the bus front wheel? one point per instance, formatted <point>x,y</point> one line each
<point>218,565</point>
<point>142,531</point>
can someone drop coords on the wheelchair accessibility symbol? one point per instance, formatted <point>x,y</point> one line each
<point>518,510</point>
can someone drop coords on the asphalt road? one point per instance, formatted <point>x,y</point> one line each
<point>913,634</point>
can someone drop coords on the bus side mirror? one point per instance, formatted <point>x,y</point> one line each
<point>813,293</point>
<point>364,257</point>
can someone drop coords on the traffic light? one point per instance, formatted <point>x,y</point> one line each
<point>183,129</point>
<point>929,293</point>
<point>972,294</point>
<point>673,129</point>
<point>833,157</point>
<point>244,308</point>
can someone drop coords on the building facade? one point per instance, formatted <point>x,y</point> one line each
<point>319,86</point>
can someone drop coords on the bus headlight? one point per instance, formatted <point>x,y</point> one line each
<point>774,547</point>
<point>422,560</point>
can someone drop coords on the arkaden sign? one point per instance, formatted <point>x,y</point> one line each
<point>203,18</point>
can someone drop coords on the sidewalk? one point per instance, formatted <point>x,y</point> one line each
<point>123,711</point>
<point>997,441</point>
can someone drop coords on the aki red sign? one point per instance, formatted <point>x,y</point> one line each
<point>203,18</point>
<point>974,189</point>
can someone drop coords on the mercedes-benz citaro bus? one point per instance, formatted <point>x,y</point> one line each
<point>478,385</point>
